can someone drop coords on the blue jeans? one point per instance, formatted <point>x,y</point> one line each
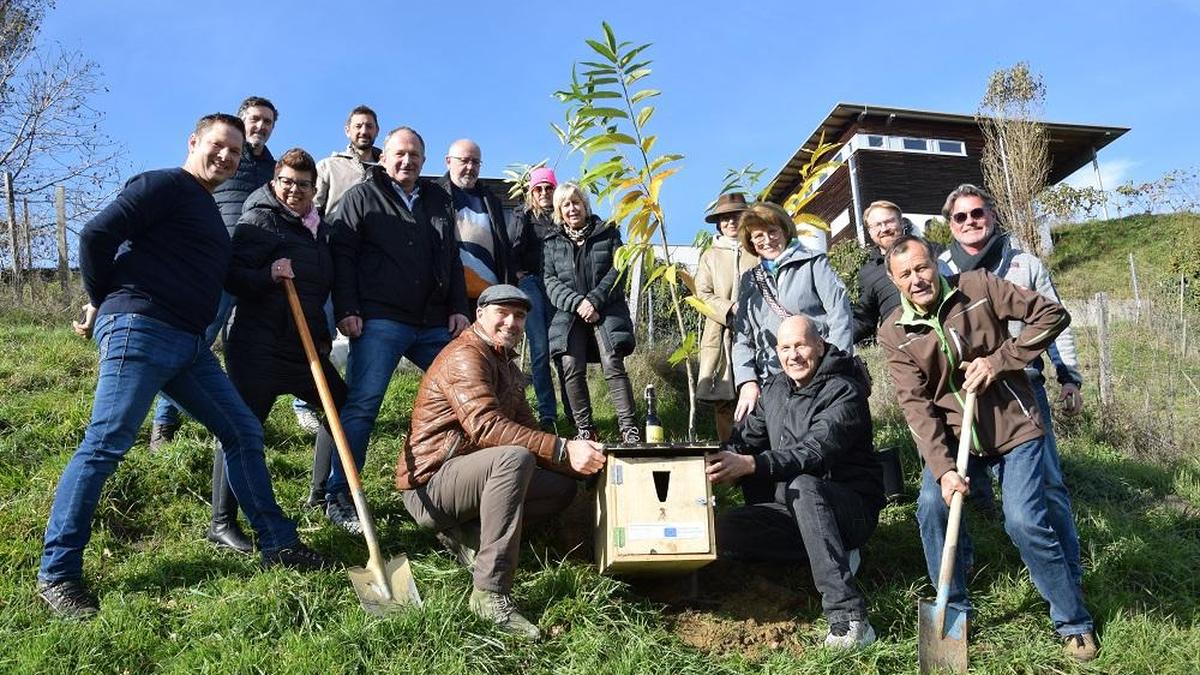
<point>374,356</point>
<point>140,356</point>
<point>1058,502</point>
<point>166,411</point>
<point>537,332</point>
<point>1027,522</point>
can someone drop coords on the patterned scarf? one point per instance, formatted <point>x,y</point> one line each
<point>579,236</point>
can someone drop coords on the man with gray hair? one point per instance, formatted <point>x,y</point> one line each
<point>483,242</point>
<point>805,459</point>
<point>397,291</point>
<point>978,244</point>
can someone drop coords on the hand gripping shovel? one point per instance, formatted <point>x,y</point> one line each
<point>941,629</point>
<point>381,587</point>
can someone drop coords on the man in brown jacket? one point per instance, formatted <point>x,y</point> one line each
<point>475,467</point>
<point>950,335</point>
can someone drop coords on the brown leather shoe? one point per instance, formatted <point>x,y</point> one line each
<point>1082,647</point>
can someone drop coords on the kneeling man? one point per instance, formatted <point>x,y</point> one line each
<point>949,335</point>
<point>475,467</point>
<point>809,473</point>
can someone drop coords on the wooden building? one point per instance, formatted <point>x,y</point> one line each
<point>913,158</point>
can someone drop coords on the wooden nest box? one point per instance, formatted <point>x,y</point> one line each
<point>654,510</point>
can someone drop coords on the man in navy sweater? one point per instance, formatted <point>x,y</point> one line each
<point>154,264</point>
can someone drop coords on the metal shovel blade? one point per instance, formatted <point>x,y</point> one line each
<point>398,589</point>
<point>941,646</point>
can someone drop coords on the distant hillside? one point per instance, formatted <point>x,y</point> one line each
<point>1094,256</point>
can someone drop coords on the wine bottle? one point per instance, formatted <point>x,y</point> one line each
<point>654,430</point>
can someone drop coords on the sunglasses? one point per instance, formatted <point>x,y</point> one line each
<point>974,214</point>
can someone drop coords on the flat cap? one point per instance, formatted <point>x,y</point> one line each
<point>504,294</point>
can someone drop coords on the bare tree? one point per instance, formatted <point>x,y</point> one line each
<point>50,132</point>
<point>1016,155</point>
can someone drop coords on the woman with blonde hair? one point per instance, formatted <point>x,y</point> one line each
<point>789,280</point>
<point>592,320</point>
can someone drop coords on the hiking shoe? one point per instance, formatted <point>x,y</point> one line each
<point>847,635</point>
<point>500,609</point>
<point>631,436</point>
<point>549,426</point>
<point>69,598</point>
<point>1082,647</point>
<point>161,434</point>
<point>341,512</point>
<point>462,541</point>
<point>854,559</point>
<point>308,420</point>
<point>297,557</point>
<point>586,434</point>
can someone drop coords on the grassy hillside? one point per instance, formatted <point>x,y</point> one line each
<point>1094,256</point>
<point>171,603</point>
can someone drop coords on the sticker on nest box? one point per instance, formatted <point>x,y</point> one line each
<point>693,530</point>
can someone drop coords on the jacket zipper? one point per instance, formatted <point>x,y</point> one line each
<point>1021,403</point>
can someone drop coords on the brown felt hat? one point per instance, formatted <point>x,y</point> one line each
<point>732,202</point>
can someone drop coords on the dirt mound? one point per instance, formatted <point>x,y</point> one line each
<point>738,607</point>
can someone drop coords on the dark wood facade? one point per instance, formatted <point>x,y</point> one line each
<point>918,182</point>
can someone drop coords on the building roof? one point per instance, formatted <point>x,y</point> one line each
<point>1071,145</point>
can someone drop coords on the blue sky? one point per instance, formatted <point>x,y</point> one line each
<point>740,84</point>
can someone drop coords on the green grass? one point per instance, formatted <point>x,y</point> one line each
<point>171,603</point>
<point>1094,256</point>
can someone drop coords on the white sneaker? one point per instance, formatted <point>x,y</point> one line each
<point>848,635</point>
<point>308,420</point>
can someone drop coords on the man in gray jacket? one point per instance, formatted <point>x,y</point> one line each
<point>345,168</point>
<point>979,244</point>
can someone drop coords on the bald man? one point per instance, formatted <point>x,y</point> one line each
<point>483,242</point>
<point>806,463</point>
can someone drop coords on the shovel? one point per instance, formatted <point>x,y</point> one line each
<point>381,587</point>
<point>941,629</point>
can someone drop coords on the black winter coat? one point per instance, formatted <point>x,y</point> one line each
<point>877,297</point>
<point>527,244</point>
<point>252,173</point>
<point>388,266</point>
<point>267,232</point>
<point>573,274</point>
<point>506,270</point>
<point>821,429</point>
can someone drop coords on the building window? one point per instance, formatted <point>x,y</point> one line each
<point>951,147</point>
<point>917,144</point>
<point>874,141</point>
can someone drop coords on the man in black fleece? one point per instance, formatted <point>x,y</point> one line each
<point>153,263</point>
<point>807,467</point>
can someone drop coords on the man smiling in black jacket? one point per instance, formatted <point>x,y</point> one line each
<point>807,467</point>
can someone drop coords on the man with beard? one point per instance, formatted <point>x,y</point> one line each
<point>346,168</point>
<point>475,467</point>
<point>153,265</point>
<point>877,296</point>
<point>980,245</point>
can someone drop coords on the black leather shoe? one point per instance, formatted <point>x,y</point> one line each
<point>229,535</point>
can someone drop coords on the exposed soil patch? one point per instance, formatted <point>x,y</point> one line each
<point>733,607</point>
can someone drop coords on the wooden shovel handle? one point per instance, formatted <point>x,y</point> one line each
<point>318,373</point>
<point>956,501</point>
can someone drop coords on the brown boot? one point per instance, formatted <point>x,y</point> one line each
<point>1082,647</point>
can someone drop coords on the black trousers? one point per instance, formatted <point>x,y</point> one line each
<point>807,518</point>
<point>575,362</point>
<point>261,377</point>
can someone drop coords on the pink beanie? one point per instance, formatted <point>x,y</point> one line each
<point>542,174</point>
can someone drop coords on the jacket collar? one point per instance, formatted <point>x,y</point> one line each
<point>349,153</point>
<point>913,316</point>
<point>503,352</point>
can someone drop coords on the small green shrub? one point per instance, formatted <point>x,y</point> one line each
<point>847,257</point>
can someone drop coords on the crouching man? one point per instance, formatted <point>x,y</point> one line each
<point>475,467</point>
<point>809,473</point>
<point>949,335</point>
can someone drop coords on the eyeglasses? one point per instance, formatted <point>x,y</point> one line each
<point>302,185</point>
<point>544,187</point>
<point>976,213</point>
<point>468,160</point>
<point>893,221</point>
